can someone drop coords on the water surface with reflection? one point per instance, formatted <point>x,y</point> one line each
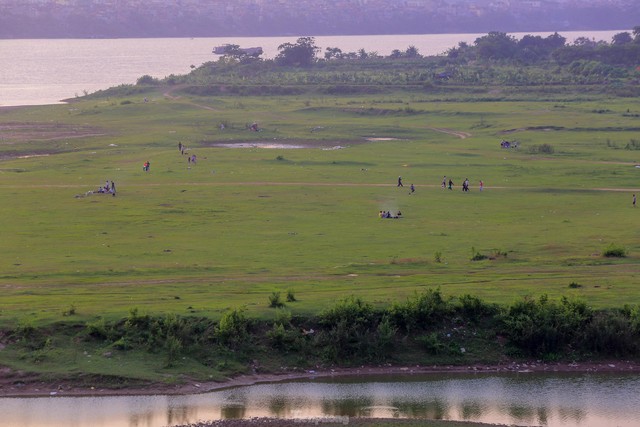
<point>585,400</point>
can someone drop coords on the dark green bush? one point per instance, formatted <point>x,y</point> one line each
<point>275,301</point>
<point>352,310</point>
<point>613,251</point>
<point>541,327</point>
<point>611,334</point>
<point>472,308</point>
<point>420,311</point>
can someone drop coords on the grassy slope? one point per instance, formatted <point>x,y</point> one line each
<point>245,222</point>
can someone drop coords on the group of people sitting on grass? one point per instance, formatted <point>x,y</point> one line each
<point>109,187</point>
<point>388,214</point>
<point>508,144</point>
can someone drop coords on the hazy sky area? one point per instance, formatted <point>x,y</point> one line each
<point>221,18</point>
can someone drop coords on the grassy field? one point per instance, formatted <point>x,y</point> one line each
<point>244,222</point>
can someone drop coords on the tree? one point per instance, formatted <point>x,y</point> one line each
<point>535,48</point>
<point>622,38</point>
<point>636,34</point>
<point>301,54</point>
<point>496,45</point>
<point>234,52</point>
<point>395,54</point>
<point>584,42</point>
<point>333,53</point>
<point>555,41</point>
<point>412,52</point>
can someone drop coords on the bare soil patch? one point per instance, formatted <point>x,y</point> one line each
<point>18,132</point>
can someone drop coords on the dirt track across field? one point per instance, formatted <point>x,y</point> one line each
<point>459,134</point>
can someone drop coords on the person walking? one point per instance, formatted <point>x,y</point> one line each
<point>634,200</point>
<point>413,189</point>
<point>481,185</point>
<point>450,184</point>
<point>400,182</point>
<point>444,182</point>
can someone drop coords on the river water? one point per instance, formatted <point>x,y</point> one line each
<point>585,400</point>
<point>38,72</point>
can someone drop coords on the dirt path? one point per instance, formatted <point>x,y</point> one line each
<point>284,184</point>
<point>459,134</point>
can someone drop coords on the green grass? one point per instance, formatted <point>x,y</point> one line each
<point>244,223</point>
<point>243,216</point>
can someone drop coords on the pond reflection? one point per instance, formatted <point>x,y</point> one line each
<point>522,399</point>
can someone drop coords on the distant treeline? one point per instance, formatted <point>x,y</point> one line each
<point>494,59</point>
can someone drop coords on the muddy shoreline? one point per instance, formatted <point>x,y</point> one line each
<point>21,384</point>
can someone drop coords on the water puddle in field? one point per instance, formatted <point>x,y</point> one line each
<point>558,400</point>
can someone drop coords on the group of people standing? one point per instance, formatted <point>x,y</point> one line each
<point>446,183</point>
<point>465,184</point>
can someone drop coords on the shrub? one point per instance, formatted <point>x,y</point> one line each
<point>349,334</point>
<point>147,80</point>
<point>352,310</point>
<point>542,328</point>
<point>385,338</point>
<point>431,343</point>
<point>283,338</point>
<point>611,334</point>
<point>420,310</point>
<point>70,311</point>
<point>274,300</point>
<point>473,308</point>
<point>25,330</point>
<point>100,329</point>
<point>283,316</point>
<point>632,145</point>
<point>173,347</point>
<point>291,296</point>
<point>233,328</point>
<point>541,149</point>
<point>613,251</point>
